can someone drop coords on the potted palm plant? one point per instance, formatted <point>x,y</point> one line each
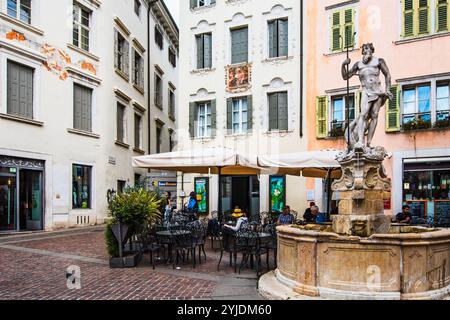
<point>128,211</point>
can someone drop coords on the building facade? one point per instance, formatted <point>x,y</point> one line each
<point>242,89</point>
<point>74,106</point>
<point>414,38</point>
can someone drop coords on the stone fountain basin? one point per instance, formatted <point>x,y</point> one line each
<point>407,263</point>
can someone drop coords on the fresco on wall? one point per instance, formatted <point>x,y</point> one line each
<point>238,78</point>
<point>57,60</point>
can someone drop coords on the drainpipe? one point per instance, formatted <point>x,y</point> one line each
<point>301,68</point>
<point>149,76</point>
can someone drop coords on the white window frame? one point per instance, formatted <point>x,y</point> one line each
<point>342,96</point>
<point>124,121</point>
<point>448,98</point>
<point>354,6</point>
<point>433,81</point>
<point>140,146</point>
<point>87,84</point>
<point>18,10</point>
<point>202,123</point>
<point>279,12</point>
<point>78,24</point>
<point>206,3</point>
<point>416,101</point>
<point>240,122</point>
<point>36,65</point>
<point>138,76</point>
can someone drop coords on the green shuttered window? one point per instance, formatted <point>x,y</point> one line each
<point>239,45</point>
<point>322,117</point>
<point>278,111</point>
<point>416,17</point>
<point>204,51</point>
<point>120,123</point>
<point>342,29</point>
<point>240,115</point>
<point>278,38</point>
<point>20,90</point>
<point>82,108</point>
<point>202,119</point>
<point>393,111</point>
<point>442,13</point>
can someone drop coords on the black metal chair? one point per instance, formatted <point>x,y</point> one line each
<point>149,242</point>
<point>182,246</point>
<point>250,243</point>
<point>198,237</point>
<point>228,245</point>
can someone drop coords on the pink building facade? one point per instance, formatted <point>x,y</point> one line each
<point>413,36</point>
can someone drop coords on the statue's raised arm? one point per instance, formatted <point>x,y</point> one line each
<point>353,71</point>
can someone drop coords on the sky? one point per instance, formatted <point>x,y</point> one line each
<point>174,7</point>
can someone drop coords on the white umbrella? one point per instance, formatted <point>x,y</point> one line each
<point>313,164</point>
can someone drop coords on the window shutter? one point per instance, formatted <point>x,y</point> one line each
<point>77,102</point>
<point>393,111</point>
<point>408,18</point>
<point>20,90</point>
<point>13,104</point>
<point>120,136</point>
<point>424,17</point>
<point>213,118</point>
<point>141,73</point>
<point>250,113</point>
<point>116,49</point>
<point>137,131</point>
<point>283,123</point>
<point>273,111</point>
<point>230,115</point>
<point>192,118</point>
<point>239,45</point>
<point>272,39</point>
<point>283,38</point>
<point>336,31</point>
<point>29,91</point>
<point>322,117</point>
<point>133,66</point>
<point>200,51</point>
<point>442,15</point>
<point>349,28</point>
<point>208,51</point>
<point>126,57</point>
<point>86,109</point>
<point>193,4</point>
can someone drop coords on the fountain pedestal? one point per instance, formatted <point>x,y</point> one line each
<point>361,193</point>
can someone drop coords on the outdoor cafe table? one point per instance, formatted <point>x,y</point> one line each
<point>251,234</point>
<point>171,235</point>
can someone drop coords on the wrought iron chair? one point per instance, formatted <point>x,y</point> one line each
<point>198,237</point>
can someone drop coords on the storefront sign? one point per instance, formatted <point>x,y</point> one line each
<point>277,193</point>
<point>12,170</point>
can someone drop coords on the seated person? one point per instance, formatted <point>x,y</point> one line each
<point>286,217</point>
<point>240,223</point>
<point>404,216</point>
<point>308,216</point>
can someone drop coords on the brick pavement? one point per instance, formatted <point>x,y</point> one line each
<point>35,268</point>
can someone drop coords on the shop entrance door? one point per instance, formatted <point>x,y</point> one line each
<point>242,192</point>
<point>30,200</point>
<point>8,200</point>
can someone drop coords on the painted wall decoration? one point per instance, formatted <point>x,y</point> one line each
<point>202,191</point>
<point>238,78</point>
<point>277,193</point>
<point>57,60</point>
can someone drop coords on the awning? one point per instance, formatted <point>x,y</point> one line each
<point>202,161</point>
<point>313,164</point>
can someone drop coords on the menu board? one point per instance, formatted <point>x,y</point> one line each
<point>442,213</point>
<point>418,210</point>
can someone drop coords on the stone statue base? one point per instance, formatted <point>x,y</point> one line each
<point>361,193</point>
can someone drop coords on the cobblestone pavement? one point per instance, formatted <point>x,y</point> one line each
<point>34,267</point>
